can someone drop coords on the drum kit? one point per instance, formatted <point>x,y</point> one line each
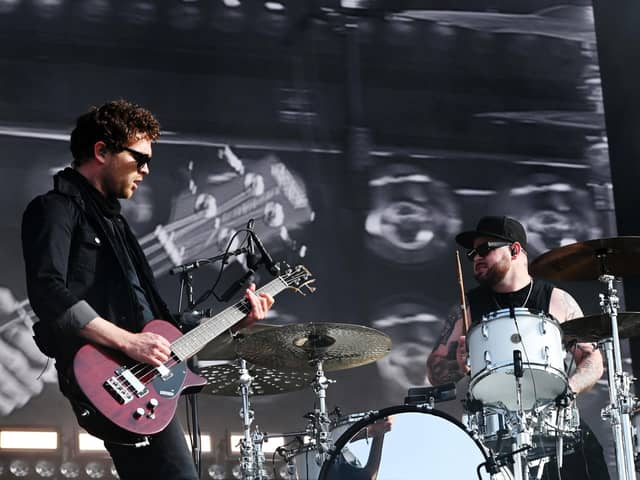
<point>518,413</point>
<point>271,359</point>
<point>518,404</point>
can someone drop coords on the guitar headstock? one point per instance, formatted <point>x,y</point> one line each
<point>297,278</point>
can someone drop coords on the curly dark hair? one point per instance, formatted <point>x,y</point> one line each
<point>117,123</point>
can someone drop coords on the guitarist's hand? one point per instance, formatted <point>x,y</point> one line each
<point>260,305</point>
<point>147,347</point>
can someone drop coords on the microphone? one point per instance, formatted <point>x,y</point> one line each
<point>273,268</point>
<point>189,266</point>
<point>517,364</point>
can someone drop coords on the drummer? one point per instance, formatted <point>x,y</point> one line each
<point>497,248</point>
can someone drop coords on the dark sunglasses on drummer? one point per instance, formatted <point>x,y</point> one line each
<point>140,158</point>
<point>484,248</point>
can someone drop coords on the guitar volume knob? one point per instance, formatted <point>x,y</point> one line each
<point>139,413</point>
<point>153,403</point>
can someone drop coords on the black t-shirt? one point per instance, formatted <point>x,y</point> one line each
<point>536,296</point>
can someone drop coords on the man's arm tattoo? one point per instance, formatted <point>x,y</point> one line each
<point>571,307</point>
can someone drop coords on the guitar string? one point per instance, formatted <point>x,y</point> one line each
<point>140,370</point>
<point>243,306</point>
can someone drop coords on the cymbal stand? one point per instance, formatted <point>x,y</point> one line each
<point>258,455</point>
<point>321,417</point>
<point>251,456</point>
<point>618,412</point>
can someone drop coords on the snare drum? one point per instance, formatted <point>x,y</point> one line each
<point>491,345</point>
<point>497,429</point>
<point>551,424</point>
<point>422,443</point>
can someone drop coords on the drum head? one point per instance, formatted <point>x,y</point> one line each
<point>418,443</point>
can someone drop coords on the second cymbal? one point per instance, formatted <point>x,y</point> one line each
<point>618,256</point>
<point>597,327</point>
<point>299,346</point>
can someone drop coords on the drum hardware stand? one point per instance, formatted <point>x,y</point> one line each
<point>321,422</point>
<point>258,455</point>
<point>540,467</point>
<point>523,436</point>
<point>251,456</point>
<point>619,410</point>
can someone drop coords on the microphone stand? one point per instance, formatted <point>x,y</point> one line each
<point>523,440</point>
<point>186,284</point>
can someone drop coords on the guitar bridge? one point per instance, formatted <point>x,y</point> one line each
<point>124,385</point>
<point>118,390</point>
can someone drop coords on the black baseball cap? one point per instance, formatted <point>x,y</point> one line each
<point>503,228</point>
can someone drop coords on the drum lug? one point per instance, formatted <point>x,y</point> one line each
<point>485,330</point>
<point>543,326</point>
<point>487,359</point>
<point>546,357</point>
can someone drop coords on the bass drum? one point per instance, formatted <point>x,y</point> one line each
<point>407,441</point>
<point>305,458</point>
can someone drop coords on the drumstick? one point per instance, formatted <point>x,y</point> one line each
<point>463,300</point>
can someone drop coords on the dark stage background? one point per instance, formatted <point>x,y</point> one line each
<point>361,141</point>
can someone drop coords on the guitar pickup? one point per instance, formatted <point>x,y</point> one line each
<point>124,378</point>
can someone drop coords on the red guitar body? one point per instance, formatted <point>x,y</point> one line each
<point>136,397</point>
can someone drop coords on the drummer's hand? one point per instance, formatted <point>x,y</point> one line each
<point>461,355</point>
<point>260,305</point>
<point>380,427</point>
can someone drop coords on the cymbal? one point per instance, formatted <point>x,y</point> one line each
<point>299,346</point>
<point>597,327</point>
<point>222,379</point>
<point>618,256</point>
<point>223,347</point>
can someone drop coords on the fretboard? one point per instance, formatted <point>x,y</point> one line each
<point>195,340</point>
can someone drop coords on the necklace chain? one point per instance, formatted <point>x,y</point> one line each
<point>525,300</point>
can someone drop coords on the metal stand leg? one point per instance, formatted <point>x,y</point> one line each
<point>618,412</point>
<point>251,456</point>
<point>321,420</point>
<point>246,444</point>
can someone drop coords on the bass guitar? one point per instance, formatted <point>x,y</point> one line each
<point>141,398</point>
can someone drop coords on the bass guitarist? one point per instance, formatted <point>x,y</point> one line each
<point>88,280</point>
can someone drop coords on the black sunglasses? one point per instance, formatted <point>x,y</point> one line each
<point>484,248</point>
<point>141,158</point>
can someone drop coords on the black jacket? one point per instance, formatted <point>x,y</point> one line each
<point>74,272</point>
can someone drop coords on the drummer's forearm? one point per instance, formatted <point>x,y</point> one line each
<point>443,370</point>
<point>588,372</point>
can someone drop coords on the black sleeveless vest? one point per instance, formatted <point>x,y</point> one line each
<point>482,300</point>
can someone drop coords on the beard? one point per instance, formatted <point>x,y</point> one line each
<point>494,274</point>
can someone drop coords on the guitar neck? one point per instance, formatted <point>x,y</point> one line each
<point>193,341</point>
